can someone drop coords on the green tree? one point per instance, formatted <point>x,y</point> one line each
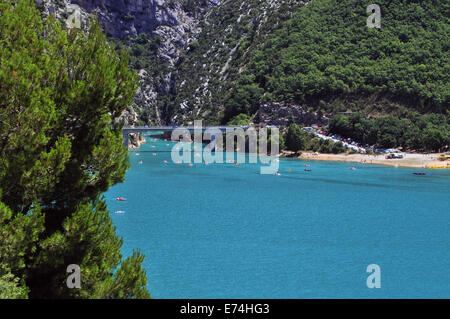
<point>433,139</point>
<point>60,149</point>
<point>19,234</point>
<point>337,147</point>
<point>295,139</point>
<point>340,124</point>
<point>240,120</point>
<point>245,97</point>
<point>10,287</point>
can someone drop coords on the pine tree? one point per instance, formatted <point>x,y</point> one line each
<point>61,92</point>
<point>295,138</point>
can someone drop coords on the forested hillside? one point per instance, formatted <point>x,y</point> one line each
<point>326,52</point>
<point>322,58</point>
<point>326,58</point>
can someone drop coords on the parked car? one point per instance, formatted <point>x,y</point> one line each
<point>394,156</point>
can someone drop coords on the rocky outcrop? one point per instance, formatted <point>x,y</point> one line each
<point>65,10</point>
<point>136,140</point>
<point>124,18</point>
<point>282,114</point>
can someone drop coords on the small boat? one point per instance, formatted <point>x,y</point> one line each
<point>307,170</point>
<point>121,199</point>
<point>419,173</point>
<point>137,154</point>
<point>278,174</point>
<point>306,165</point>
<point>352,168</point>
<point>119,212</point>
<point>140,162</point>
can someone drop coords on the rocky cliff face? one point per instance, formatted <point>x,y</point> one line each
<point>123,18</point>
<point>203,45</point>
<point>174,22</point>
<point>282,114</point>
<point>231,32</point>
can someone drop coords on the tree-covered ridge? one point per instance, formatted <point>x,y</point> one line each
<point>326,51</point>
<point>60,149</point>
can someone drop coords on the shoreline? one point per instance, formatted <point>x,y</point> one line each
<point>411,160</point>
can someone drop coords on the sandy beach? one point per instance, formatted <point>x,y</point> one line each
<point>410,159</point>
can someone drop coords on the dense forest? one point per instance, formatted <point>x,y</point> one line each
<point>429,132</point>
<point>326,51</point>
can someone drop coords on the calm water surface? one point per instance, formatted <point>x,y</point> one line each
<point>225,231</point>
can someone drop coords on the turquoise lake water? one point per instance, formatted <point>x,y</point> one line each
<point>225,231</point>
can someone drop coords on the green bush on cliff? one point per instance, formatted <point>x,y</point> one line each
<point>240,120</point>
